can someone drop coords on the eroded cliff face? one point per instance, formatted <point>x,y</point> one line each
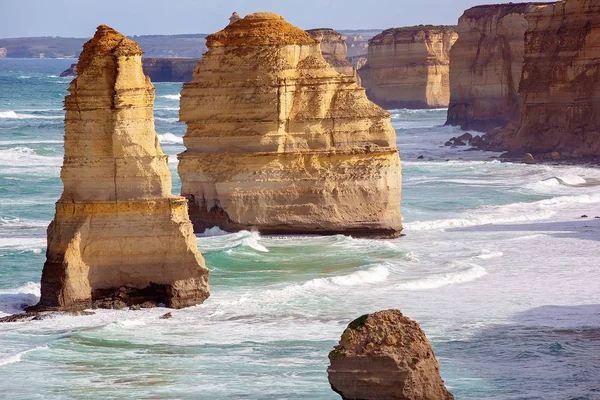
<point>409,67</point>
<point>334,49</point>
<point>560,86</point>
<point>385,355</point>
<point>278,140</point>
<point>486,65</point>
<point>117,225</point>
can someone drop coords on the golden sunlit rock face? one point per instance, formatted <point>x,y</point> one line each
<point>279,141</point>
<point>409,67</point>
<point>117,225</point>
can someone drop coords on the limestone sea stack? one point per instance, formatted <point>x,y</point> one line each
<point>117,229</point>
<point>334,49</point>
<point>409,67</point>
<point>385,356</point>
<point>560,87</point>
<point>279,141</point>
<point>486,65</point>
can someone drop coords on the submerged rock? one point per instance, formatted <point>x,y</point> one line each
<point>279,141</point>
<point>409,67</point>
<point>119,237</point>
<point>385,356</point>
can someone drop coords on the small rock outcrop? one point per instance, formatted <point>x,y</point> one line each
<point>487,61</point>
<point>334,49</point>
<point>71,71</point>
<point>409,67</point>
<point>385,356</point>
<point>234,18</point>
<point>560,87</point>
<point>119,237</point>
<point>279,141</point>
<point>3,52</point>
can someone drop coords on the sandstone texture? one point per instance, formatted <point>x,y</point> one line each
<point>486,65</point>
<point>409,67</point>
<point>118,232</point>
<point>334,49</point>
<point>385,356</point>
<point>279,141</point>
<point>560,86</point>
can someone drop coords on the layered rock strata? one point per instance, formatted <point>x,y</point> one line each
<point>117,228</point>
<point>486,66</point>
<point>560,86</point>
<point>385,356</point>
<point>279,141</point>
<point>409,67</point>
<point>334,49</point>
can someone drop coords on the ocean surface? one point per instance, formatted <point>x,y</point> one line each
<point>497,265</point>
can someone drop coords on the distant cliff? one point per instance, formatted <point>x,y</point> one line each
<point>169,46</point>
<point>409,67</point>
<point>334,49</point>
<point>3,52</point>
<point>560,85</point>
<point>159,69</point>
<point>486,64</point>
<point>169,69</point>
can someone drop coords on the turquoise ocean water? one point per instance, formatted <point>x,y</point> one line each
<point>496,265</point>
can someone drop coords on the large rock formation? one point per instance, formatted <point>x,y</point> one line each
<point>334,49</point>
<point>560,86</point>
<point>278,140</point>
<point>118,231</point>
<point>385,356</point>
<point>409,67</point>
<point>486,64</point>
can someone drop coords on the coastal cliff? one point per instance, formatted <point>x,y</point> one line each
<point>486,66</point>
<point>119,237</point>
<point>159,69</point>
<point>385,356</point>
<point>279,141</point>
<point>560,86</point>
<point>334,49</point>
<point>409,67</point>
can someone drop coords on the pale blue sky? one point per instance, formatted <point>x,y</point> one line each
<point>78,18</point>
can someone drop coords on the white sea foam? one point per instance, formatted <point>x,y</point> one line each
<point>214,231</point>
<point>23,243</point>
<point>24,156</point>
<point>169,138</point>
<point>28,141</point>
<point>169,120</point>
<point>375,274</point>
<point>252,241</point>
<point>439,280</point>
<point>171,96</point>
<point>17,357</point>
<point>510,213</point>
<point>15,115</point>
<point>13,301</point>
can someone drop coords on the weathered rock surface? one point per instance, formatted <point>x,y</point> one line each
<point>409,67</point>
<point>71,71</point>
<point>278,140</point>
<point>117,223</point>
<point>334,49</point>
<point>560,86</point>
<point>487,61</point>
<point>385,356</point>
